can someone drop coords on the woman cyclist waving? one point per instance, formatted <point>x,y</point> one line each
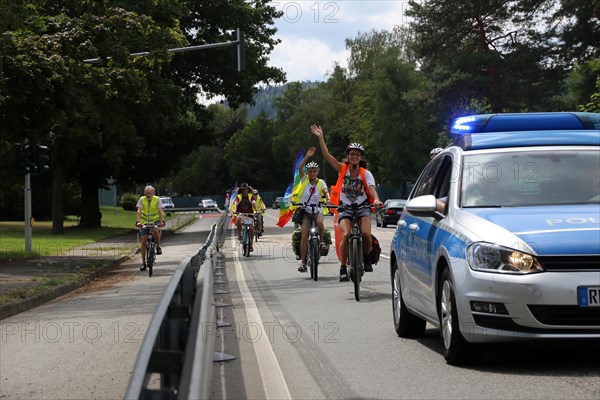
<point>356,185</point>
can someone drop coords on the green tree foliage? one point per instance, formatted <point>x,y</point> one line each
<point>577,24</point>
<point>389,109</point>
<point>248,156</point>
<point>488,51</point>
<point>125,117</point>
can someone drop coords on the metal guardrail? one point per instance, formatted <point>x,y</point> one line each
<point>175,358</point>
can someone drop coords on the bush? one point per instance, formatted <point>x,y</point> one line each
<point>128,205</point>
<point>128,201</point>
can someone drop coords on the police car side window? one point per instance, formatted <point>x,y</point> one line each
<point>426,182</point>
<point>443,178</point>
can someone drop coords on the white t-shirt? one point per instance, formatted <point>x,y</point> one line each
<point>353,190</point>
<point>316,196</point>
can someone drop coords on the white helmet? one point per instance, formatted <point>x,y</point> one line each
<point>435,151</point>
<point>312,164</point>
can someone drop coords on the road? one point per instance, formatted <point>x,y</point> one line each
<point>84,345</point>
<point>296,338</point>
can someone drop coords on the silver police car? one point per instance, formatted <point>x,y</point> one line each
<point>500,237</point>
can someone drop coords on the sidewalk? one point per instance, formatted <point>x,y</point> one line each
<point>26,284</point>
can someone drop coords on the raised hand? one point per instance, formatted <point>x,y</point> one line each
<point>316,130</point>
<point>311,152</point>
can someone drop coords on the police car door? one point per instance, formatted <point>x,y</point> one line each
<point>415,251</point>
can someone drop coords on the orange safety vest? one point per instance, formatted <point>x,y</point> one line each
<point>336,190</point>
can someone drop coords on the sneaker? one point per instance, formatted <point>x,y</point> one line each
<point>158,251</point>
<point>343,274</point>
<point>302,268</point>
<point>143,267</point>
<point>368,265</point>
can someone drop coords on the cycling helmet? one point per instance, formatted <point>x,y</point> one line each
<point>355,146</point>
<point>244,186</point>
<point>255,191</point>
<point>434,152</point>
<point>312,164</point>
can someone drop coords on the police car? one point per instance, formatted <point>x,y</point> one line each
<point>500,237</point>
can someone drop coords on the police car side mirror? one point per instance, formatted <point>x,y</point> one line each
<point>423,206</point>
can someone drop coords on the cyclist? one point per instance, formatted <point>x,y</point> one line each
<point>244,203</point>
<point>260,208</point>
<point>310,190</point>
<point>149,210</point>
<point>355,185</point>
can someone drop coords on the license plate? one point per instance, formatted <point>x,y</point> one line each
<point>588,296</point>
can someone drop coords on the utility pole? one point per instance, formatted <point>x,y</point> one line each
<point>28,212</point>
<point>34,159</point>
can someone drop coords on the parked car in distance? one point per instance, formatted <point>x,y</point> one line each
<point>208,205</point>
<point>167,204</point>
<point>167,201</point>
<point>277,203</point>
<point>390,212</point>
<point>499,239</point>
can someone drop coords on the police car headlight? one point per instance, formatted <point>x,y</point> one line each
<point>490,257</point>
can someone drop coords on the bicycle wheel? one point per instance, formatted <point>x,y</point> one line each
<point>354,255</point>
<point>256,231</point>
<point>150,256</point>
<point>314,255</point>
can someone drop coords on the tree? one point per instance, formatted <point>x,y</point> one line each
<point>126,118</point>
<point>247,153</point>
<point>390,107</point>
<point>487,51</point>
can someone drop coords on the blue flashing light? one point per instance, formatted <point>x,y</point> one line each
<point>462,124</point>
<point>513,122</point>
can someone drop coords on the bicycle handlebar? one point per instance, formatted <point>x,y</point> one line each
<point>304,205</point>
<point>351,207</point>
<point>149,225</point>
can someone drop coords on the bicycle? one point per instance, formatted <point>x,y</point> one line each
<point>356,267</point>
<point>150,245</point>
<point>313,252</point>
<point>247,222</point>
<point>257,226</point>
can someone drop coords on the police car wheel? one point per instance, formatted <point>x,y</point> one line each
<point>457,351</point>
<point>407,325</point>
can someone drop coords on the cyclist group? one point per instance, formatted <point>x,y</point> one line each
<point>247,202</point>
<point>355,185</point>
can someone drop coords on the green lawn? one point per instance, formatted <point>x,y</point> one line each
<point>12,238</point>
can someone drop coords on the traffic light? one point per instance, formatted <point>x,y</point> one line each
<point>41,159</point>
<point>27,158</point>
<point>239,51</point>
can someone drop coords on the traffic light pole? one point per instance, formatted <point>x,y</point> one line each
<point>27,212</point>
<point>238,42</point>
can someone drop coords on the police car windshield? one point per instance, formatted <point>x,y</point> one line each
<point>525,177</point>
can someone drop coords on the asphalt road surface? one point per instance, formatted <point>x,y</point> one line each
<point>293,337</point>
<point>297,338</point>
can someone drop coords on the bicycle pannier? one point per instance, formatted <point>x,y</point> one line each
<point>298,216</point>
<point>375,251</point>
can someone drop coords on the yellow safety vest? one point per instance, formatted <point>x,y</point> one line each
<point>149,210</point>
<point>239,198</point>
<point>299,190</point>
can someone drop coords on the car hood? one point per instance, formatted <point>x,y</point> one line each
<point>569,229</point>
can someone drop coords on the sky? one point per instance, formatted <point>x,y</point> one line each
<point>313,32</point>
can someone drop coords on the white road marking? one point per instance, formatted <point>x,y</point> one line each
<point>270,371</point>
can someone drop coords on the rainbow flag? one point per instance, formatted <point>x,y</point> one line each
<point>284,209</point>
